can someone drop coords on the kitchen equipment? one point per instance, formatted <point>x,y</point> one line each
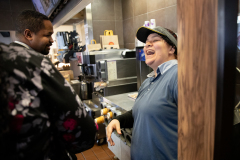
<point>121,103</point>
<point>76,85</point>
<point>67,45</point>
<point>93,111</point>
<point>87,87</point>
<point>84,90</point>
<point>111,66</point>
<point>74,66</point>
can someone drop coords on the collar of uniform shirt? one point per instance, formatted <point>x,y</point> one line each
<point>26,46</point>
<point>162,68</point>
<point>23,44</point>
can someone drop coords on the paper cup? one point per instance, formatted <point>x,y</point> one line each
<point>146,24</point>
<point>99,120</point>
<point>109,115</point>
<point>104,111</point>
<point>152,23</point>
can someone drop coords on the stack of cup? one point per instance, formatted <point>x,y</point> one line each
<point>146,24</point>
<point>152,23</point>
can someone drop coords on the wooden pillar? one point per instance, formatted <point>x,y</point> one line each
<point>205,73</point>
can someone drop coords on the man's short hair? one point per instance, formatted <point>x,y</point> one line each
<point>31,20</point>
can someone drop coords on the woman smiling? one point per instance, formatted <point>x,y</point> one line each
<point>154,116</point>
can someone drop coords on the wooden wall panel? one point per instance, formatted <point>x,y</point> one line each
<point>197,75</point>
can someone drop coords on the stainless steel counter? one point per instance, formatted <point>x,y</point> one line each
<point>123,103</point>
<point>120,101</point>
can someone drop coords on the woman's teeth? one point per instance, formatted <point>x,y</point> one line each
<point>150,52</point>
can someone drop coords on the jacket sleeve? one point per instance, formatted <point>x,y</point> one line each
<point>73,127</point>
<point>46,115</point>
<point>126,120</point>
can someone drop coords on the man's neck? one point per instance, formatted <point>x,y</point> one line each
<point>22,41</point>
<point>22,44</point>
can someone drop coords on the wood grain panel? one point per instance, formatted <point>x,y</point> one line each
<point>197,72</point>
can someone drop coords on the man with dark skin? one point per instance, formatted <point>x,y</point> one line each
<point>42,116</point>
<point>34,31</point>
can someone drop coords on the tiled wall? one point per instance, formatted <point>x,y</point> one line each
<point>107,15</point>
<point>9,9</point>
<point>135,12</point>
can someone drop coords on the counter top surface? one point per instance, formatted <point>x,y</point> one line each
<point>72,82</point>
<point>122,100</point>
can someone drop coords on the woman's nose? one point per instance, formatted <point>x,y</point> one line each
<point>148,44</point>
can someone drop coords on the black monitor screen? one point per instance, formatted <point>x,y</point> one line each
<point>45,7</point>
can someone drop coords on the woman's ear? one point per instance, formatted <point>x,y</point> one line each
<point>28,34</point>
<point>172,50</point>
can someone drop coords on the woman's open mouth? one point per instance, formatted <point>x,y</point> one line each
<point>150,52</point>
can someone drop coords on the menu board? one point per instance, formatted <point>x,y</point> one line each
<point>112,70</point>
<point>45,7</point>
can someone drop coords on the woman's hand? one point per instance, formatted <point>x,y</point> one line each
<point>113,125</point>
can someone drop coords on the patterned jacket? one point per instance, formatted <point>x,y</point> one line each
<point>47,120</point>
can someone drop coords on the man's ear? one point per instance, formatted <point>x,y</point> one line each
<point>28,34</point>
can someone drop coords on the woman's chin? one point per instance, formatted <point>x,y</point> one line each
<point>149,62</point>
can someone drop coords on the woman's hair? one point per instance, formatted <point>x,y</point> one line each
<point>165,38</point>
